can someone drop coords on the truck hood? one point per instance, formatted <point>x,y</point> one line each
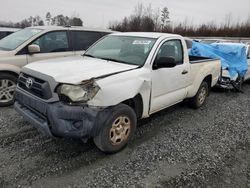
<point>74,70</point>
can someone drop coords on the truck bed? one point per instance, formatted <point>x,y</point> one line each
<point>198,59</point>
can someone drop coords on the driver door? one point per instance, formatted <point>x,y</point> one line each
<point>169,84</point>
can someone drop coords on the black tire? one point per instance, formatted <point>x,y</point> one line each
<point>104,139</point>
<point>6,90</point>
<point>196,102</point>
<point>237,85</point>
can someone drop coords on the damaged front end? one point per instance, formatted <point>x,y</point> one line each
<point>230,83</point>
<point>68,117</point>
<point>78,94</point>
<point>59,119</point>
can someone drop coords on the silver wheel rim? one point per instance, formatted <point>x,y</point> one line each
<point>120,130</point>
<point>7,89</point>
<point>202,95</point>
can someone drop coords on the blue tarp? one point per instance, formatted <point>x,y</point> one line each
<point>233,56</point>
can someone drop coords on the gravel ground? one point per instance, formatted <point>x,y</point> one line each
<point>177,147</point>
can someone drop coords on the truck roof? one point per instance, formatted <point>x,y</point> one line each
<point>147,34</point>
<point>71,28</point>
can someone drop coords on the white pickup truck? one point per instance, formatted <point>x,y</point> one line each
<point>122,78</point>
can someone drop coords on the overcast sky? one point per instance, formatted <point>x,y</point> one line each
<point>98,13</point>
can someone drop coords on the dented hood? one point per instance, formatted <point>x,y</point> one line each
<point>73,70</point>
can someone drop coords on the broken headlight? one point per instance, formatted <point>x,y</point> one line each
<point>79,93</point>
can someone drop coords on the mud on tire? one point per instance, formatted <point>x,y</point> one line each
<point>200,98</point>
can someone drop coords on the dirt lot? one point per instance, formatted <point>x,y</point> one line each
<point>178,147</point>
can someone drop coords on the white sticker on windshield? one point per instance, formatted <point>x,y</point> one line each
<point>142,42</point>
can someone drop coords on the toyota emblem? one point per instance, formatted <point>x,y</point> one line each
<point>29,83</point>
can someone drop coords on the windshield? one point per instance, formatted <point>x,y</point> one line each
<point>122,49</point>
<point>14,40</point>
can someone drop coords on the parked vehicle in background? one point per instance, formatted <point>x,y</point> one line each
<point>122,78</point>
<point>234,60</point>
<point>4,31</point>
<point>38,43</point>
<point>247,76</point>
<point>235,82</point>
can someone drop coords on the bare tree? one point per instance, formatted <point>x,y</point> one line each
<point>248,21</point>
<point>142,19</point>
<point>48,18</point>
<point>138,10</point>
<point>164,17</point>
<point>228,20</point>
<point>76,21</point>
<point>156,19</point>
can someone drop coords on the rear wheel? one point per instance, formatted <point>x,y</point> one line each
<point>199,99</point>
<point>7,89</point>
<point>117,130</point>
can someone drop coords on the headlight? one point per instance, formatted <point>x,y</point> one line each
<point>79,93</point>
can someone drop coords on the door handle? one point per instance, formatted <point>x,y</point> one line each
<point>184,72</point>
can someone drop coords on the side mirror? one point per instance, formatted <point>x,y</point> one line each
<point>33,48</point>
<point>165,62</point>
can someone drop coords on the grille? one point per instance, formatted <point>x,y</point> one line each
<point>39,88</point>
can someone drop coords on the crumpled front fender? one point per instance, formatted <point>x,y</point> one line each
<point>121,87</point>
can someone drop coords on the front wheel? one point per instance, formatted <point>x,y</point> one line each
<point>7,89</point>
<point>117,130</point>
<point>199,99</point>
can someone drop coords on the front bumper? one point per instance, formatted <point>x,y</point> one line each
<point>225,83</point>
<point>58,119</point>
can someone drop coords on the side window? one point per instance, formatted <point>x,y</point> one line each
<point>2,35</point>
<point>53,42</point>
<point>172,48</point>
<point>84,39</point>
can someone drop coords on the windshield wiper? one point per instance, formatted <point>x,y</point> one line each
<point>109,59</point>
<point>88,55</point>
<point>115,60</point>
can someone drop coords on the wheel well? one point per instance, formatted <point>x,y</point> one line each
<point>136,104</point>
<point>10,72</point>
<point>208,79</point>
